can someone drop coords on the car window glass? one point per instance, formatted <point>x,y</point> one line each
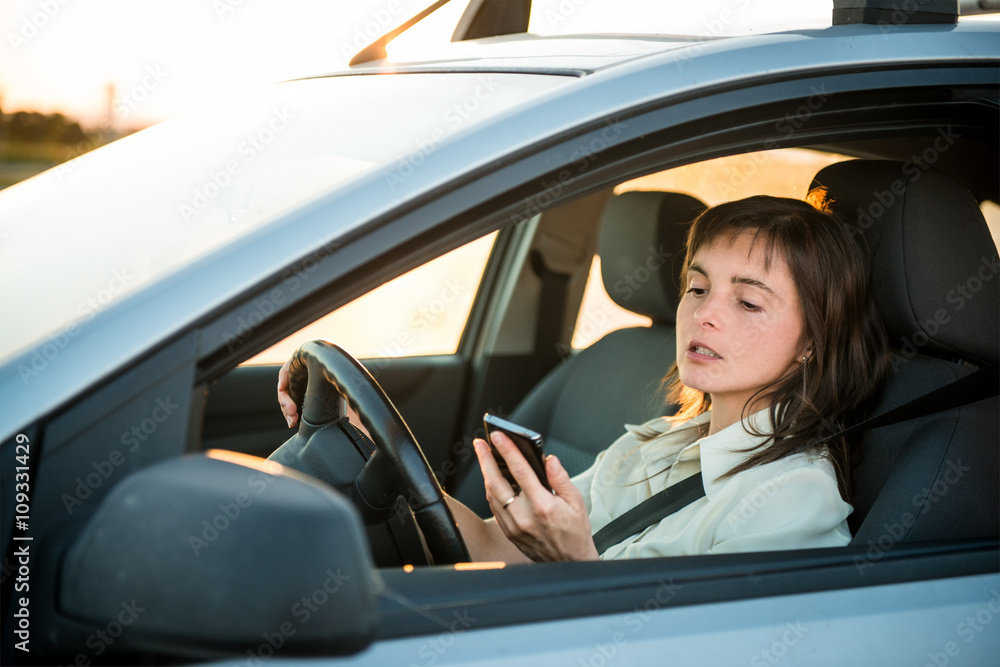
<point>782,173</point>
<point>422,312</point>
<point>217,177</point>
<point>991,211</point>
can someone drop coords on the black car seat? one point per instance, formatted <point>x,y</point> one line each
<point>934,267</point>
<point>582,405</point>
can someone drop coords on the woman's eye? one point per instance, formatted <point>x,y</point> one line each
<point>749,306</point>
<point>697,291</point>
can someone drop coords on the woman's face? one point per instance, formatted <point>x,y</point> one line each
<point>739,324</point>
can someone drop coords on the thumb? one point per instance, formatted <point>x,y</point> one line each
<point>558,477</point>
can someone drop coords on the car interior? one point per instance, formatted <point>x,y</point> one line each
<point>929,237</point>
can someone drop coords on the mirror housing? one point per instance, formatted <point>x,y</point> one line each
<point>224,554</point>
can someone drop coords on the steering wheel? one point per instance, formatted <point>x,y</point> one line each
<point>319,373</point>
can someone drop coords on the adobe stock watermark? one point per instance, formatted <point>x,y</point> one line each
<point>778,649</point>
<point>583,157</point>
<point>923,501</point>
<point>432,649</point>
<point>453,118</point>
<point>135,95</point>
<point>131,440</point>
<point>754,501</point>
<point>911,171</point>
<point>625,288</point>
<point>562,11</point>
<point>302,611</point>
<point>45,353</point>
<point>223,8</point>
<point>967,629</point>
<point>711,29</point>
<point>635,621</point>
<point>736,176</point>
<point>220,179</point>
<point>422,318</point>
<point>900,15</point>
<point>296,276</point>
<point>213,527</point>
<point>379,22</point>
<point>101,639</point>
<point>33,24</point>
<point>957,298</point>
<point>461,453</point>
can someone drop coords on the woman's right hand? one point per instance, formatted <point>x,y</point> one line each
<point>288,407</point>
<point>543,525</point>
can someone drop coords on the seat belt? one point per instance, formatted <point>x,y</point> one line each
<point>984,383</point>
<point>551,315</point>
<point>652,510</point>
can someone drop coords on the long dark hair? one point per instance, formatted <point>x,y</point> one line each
<point>849,355</point>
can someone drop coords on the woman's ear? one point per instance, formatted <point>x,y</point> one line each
<point>807,354</point>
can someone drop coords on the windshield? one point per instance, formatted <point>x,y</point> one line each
<point>81,236</point>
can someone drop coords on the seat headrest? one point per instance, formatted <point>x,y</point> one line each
<point>642,247</point>
<point>934,263</point>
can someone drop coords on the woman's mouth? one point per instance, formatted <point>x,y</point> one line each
<point>704,351</point>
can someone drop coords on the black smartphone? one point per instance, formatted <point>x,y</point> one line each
<point>528,441</point>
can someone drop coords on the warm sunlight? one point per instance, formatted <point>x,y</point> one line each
<point>135,63</point>
<point>419,313</point>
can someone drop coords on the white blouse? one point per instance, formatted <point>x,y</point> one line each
<point>792,503</point>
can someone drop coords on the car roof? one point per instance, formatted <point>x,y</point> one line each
<point>589,53</point>
<point>527,52</point>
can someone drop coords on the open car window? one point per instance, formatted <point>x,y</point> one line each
<point>422,312</point>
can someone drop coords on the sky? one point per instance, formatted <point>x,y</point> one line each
<point>168,57</point>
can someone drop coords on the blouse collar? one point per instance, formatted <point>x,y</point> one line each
<point>719,452</point>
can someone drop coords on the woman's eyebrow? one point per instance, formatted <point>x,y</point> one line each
<point>738,280</point>
<point>752,282</point>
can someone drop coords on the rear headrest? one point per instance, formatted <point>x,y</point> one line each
<point>642,247</point>
<point>934,262</point>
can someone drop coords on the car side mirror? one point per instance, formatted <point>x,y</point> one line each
<point>224,554</point>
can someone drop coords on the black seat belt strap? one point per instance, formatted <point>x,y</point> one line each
<point>984,383</point>
<point>650,511</point>
<point>551,314</point>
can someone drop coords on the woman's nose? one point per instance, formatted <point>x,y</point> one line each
<point>707,313</point>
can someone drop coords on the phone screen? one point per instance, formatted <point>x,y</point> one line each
<point>528,442</point>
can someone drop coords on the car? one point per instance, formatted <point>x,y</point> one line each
<point>143,522</point>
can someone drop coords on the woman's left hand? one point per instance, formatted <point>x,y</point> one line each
<point>544,525</point>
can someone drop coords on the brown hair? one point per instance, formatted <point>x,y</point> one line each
<point>849,346</point>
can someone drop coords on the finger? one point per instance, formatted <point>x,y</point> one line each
<point>288,407</point>
<point>559,479</point>
<point>519,467</point>
<point>283,376</point>
<point>498,491</point>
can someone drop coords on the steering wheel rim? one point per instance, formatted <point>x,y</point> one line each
<point>319,373</point>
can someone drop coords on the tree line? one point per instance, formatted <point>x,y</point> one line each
<point>33,126</point>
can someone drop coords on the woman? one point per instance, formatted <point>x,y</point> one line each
<point>778,344</point>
